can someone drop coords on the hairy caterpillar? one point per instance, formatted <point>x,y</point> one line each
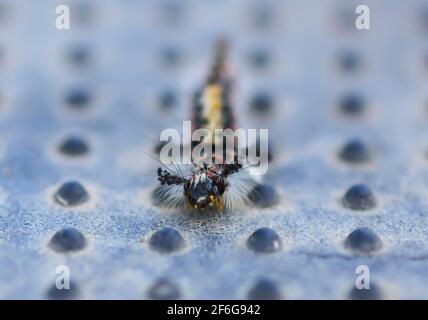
<point>207,183</point>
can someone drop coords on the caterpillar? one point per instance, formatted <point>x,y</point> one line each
<point>206,183</point>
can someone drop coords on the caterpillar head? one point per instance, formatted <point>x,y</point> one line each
<point>202,192</point>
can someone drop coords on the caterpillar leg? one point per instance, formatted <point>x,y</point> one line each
<point>219,204</point>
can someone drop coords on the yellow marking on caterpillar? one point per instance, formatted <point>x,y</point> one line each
<point>219,204</point>
<point>213,105</point>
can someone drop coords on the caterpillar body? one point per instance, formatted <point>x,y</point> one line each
<point>207,184</point>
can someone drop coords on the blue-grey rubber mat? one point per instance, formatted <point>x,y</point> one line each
<point>347,115</point>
